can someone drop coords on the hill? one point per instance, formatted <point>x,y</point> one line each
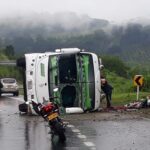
<point>45,32</point>
<point>47,25</point>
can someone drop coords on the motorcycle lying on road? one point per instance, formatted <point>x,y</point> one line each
<point>50,112</point>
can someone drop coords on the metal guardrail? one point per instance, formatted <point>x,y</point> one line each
<point>9,63</point>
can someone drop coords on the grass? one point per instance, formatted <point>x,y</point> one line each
<point>120,99</point>
<point>123,92</point>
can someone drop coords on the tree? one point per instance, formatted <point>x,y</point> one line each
<point>115,64</point>
<point>9,51</point>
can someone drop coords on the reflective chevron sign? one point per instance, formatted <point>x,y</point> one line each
<point>138,80</point>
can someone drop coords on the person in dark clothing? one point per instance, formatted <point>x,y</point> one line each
<point>107,89</point>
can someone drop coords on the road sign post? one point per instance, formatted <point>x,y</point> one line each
<point>138,82</point>
<point>138,91</point>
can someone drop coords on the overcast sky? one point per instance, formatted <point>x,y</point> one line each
<point>112,10</point>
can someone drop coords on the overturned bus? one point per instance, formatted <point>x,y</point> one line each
<point>74,72</point>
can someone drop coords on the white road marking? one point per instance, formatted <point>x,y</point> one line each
<point>81,136</point>
<point>70,126</point>
<point>75,130</point>
<point>91,145</point>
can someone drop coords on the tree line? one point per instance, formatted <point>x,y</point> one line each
<point>130,43</point>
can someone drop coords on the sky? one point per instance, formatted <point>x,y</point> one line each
<point>112,10</point>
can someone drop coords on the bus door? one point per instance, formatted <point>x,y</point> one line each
<point>68,80</point>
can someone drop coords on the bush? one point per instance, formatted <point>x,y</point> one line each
<point>120,84</point>
<point>116,65</point>
<point>10,71</point>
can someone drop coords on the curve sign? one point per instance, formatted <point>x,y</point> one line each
<point>138,80</point>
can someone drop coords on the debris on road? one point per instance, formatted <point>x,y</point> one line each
<point>133,106</point>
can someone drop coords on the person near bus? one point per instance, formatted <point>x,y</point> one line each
<point>107,89</point>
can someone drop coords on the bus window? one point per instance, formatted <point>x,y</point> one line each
<point>52,73</point>
<point>67,68</point>
<point>42,69</point>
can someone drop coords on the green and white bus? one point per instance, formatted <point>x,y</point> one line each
<point>74,72</point>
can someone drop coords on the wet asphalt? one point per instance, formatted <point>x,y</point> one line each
<point>24,132</point>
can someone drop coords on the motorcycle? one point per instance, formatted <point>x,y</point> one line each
<point>50,112</point>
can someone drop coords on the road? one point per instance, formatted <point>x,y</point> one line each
<point>8,63</point>
<point>22,132</point>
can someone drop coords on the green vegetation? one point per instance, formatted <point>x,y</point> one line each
<point>120,76</point>
<point>119,99</point>
<point>3,57</point>
<point>129,44</point>
<point>116,65</point>
<point>10,71</point>
<point>8,53</point>
<point>116,71</point>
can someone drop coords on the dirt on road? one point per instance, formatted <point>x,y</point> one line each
<point>109,115</point>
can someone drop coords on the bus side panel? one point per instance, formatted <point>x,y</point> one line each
<point>30,77</point>
<point>41,84</point>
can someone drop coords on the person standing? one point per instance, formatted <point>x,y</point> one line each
<point>107,89</point>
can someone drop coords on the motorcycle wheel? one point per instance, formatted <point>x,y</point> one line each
<point>60,131</point>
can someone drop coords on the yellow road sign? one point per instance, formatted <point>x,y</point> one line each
<point>138,80</point>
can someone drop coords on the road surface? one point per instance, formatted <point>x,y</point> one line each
<point>96,131</point>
